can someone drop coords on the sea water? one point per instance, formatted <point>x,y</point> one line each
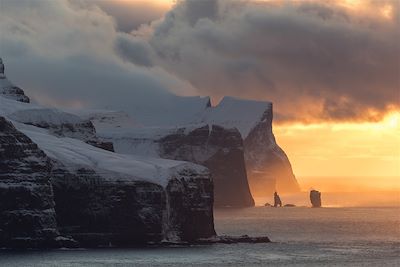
<point>302,236</point>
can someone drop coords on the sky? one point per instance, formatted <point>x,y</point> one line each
<point>330,67</point>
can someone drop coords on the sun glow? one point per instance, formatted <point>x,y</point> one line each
<point>343,149</point>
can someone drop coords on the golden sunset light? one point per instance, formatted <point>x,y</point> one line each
<point>345,149</point>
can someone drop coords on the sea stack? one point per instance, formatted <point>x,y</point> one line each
<point>315,198</point>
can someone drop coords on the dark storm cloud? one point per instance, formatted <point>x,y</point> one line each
<point>65,53</point>
<point>314,59</point>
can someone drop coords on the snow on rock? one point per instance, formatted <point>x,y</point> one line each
<point>75,154</point>
<point>107,198</point>
<point>44,117</point>
<point>217,148</point>
<point>61,124</point>
<point>268,167</point>
<point>232,112</point>
<point>8,90</point>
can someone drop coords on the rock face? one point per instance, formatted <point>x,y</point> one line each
<point>217,148</point>
<point>97,212</point>
<point>104,198</point>
<point>27,216</point>
<point>315,198</point>
<point>62,124</point>
<point>220,150</point>
<point>8,90</point>
<point>268,167</point>
<point>96,206</point>
<point>266,164</point>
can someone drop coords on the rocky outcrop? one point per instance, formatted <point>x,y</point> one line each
<point>62,124</point>
<point>102,212</point>
<point>315,198</point>
<point>8,90</point>
<point>27,216</point>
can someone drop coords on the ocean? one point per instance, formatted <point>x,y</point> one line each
<point>302,236</point>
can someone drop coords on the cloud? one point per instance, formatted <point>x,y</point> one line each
<point>129,15</point>
<point>67,53</point>
<point>316,60</point>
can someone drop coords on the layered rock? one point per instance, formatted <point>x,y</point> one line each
<point>103,198</point>
<point>9,90</point>
<point>27,215</point>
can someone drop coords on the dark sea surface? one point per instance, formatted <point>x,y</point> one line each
<point>357,236</point>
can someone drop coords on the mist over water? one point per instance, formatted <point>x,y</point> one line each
<point>344,191</point>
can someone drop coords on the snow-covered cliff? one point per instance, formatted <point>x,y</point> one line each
<point>268,167</point>
<point>64,183</point>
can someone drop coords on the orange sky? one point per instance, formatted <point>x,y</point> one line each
<point>344,149</point>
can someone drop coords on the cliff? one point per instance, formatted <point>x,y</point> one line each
<point>105,198</point>
<point>27,215</point>
<point>219,149</point>
<point>268,167</point>
<point>242,126</point>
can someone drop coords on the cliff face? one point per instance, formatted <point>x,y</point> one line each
<point>27,216</point>
<point>217,148</point>
<point>135,203</point>
<point>268,166</point>
<point>102,212</point>
<point>104,198</point>
<point>220,150</point>
<point>240,148</point>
